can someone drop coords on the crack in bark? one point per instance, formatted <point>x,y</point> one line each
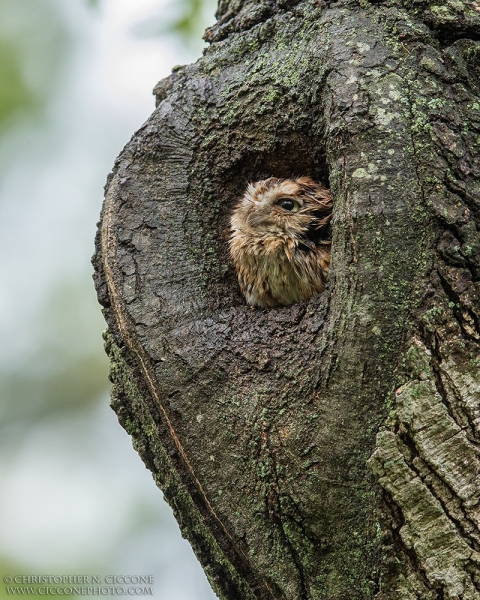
<point>457,314</point>
<point>409,442</point>
<point>276,516</point>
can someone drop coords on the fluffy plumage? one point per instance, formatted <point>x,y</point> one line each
<point>280,241</point>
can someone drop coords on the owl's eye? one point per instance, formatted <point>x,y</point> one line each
<point>288,204</point>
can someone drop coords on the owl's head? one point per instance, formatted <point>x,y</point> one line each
<point>297,210</point>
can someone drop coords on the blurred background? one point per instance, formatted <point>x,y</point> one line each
<point>75,83</point>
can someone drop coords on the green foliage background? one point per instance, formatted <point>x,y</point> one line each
<point>64,369</point>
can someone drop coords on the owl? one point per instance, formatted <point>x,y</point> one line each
<point>280,241</point>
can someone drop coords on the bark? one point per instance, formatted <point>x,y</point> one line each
<point>328,450</point>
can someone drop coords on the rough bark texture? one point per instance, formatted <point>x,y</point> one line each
<point>329,450</point>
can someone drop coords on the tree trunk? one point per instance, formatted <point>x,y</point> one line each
<point>327,450</point>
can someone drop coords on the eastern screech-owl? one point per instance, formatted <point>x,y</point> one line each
<point>280,241</point>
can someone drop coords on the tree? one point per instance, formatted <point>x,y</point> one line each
<point>327,450</point>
